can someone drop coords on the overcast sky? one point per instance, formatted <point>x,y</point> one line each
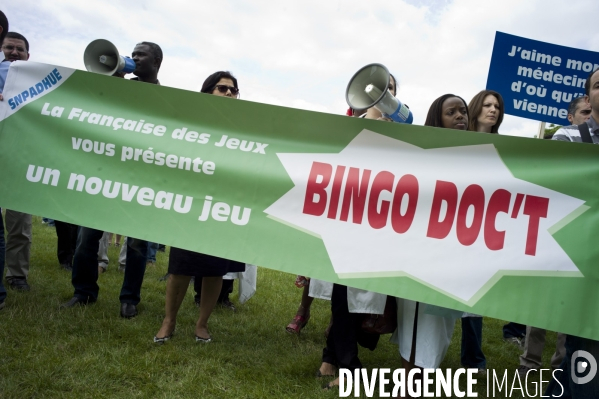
<point>301,54</point>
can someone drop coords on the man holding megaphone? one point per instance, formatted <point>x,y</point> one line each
<point>147,58</point>
<point>369,89</point>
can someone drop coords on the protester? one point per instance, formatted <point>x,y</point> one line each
<point>3,32</point>
<point>183,264</point>
<point>486,114</point>
<point>148,58</point>
<point>423,338</point>
<point>579,111</point>
<point>18,224</point>
<point>587,132</point>
<point>348,307</point>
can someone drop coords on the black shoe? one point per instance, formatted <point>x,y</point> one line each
<point>76,301</point>
<point>128,310</point>
<point>18,283</point>
<point>227,305</point>
<point>67,266</point>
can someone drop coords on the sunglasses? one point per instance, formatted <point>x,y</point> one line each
<point>223,89</point>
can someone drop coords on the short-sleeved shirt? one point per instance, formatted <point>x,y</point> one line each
<point>571,133</point>
<point>4,65</point>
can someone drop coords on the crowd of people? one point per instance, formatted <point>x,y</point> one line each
<point>422,332</point>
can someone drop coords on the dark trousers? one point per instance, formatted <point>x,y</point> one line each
<point>66,234</point>
<point>224,291</point>
<point>2,258</point>
<point>514,330</point>
<point>346,333</point>
<point>85,267</point>
<point>570,388</point>
<point>472,339</point>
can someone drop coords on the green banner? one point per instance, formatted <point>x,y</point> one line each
<point>494,225</point>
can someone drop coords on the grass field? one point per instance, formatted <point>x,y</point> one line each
<point>91,352</point>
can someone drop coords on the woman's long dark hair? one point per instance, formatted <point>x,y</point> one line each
<point>433,118</point>
<point>476,106</point>
<point>212,80</point>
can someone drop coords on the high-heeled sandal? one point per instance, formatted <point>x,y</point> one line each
<point>297,324</point>
<point>203,340</point>
<point>163,339</point>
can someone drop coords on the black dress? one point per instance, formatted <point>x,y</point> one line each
<point>188,263</point>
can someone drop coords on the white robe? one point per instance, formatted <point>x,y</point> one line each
<point>433,335</point>
<point>358,300</point>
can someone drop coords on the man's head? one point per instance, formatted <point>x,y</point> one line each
<point>3,26</point>
<point>147,57</point>
<point>15,47</point>
<point>578,111</point>
<point>591,88</point>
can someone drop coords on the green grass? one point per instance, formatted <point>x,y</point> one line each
<point>90,352</point>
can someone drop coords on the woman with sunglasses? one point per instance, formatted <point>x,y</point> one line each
<point>222,84</point>
<point>183,264</point>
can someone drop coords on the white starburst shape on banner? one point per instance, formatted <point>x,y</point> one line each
<point>447,264</point>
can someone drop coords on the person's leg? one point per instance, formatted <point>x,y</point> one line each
<point>514,330</point>
<point>85,265</point>
<point>302,316</point>
<point>123,256</point>
<point>18,245</point>
<point>176,287</point>
<point>2,257</point>
<point>472,338</point>
<point>66,234</point>
<point>135,269</point>
<point>63,244</point>
<point>533,349</point>
<point>152,248</point>
<point>103,252</point>
<point>211,287</point>
<point>197,287</point>
<point>344,322</point>
<point>117,240</point>
<point>225,290</point>
<point>560,351</point>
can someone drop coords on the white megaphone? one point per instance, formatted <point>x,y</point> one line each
<point>101,56</point>
<point>368,88</point>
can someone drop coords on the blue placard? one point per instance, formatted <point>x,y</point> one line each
<point>536,79</point>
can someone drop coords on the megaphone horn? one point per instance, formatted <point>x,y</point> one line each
<point>368,88</point>
<point>101,56</point>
